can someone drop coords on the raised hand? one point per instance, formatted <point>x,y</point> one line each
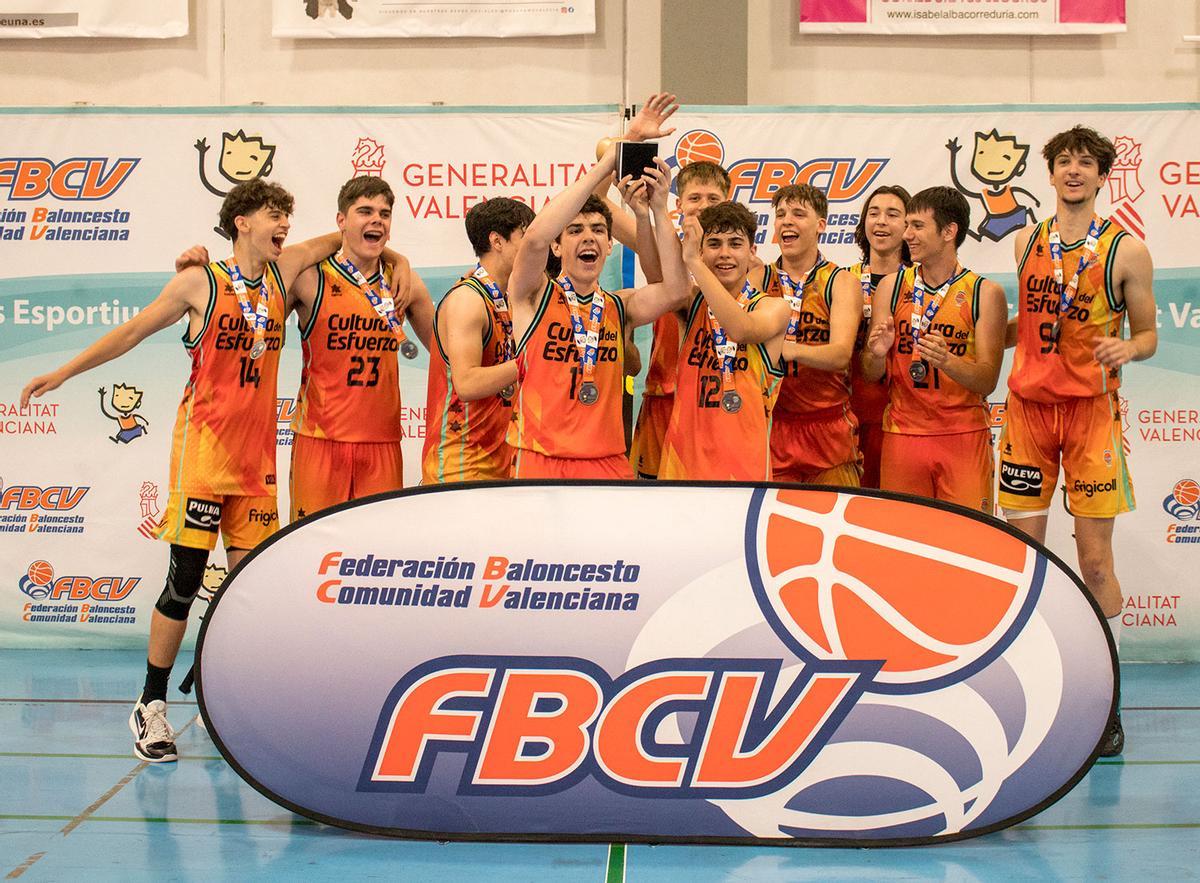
<point>647,125</point>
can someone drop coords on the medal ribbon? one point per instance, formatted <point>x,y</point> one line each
<point>922,316</point>
<point>256,316</point>
<point>794,295</point>
<point>725,348</point>
<point>1067,292</point>
<point>500,305</point>
<point>868,288</point>
<point>383,305</point>
<point>587,341</point>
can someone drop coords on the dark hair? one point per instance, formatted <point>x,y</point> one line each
<point>595,206</point>
<point>729,217</point>
<point>366,187</point>
<point>948,207</point>
<point>860,231</point>
<point>1081,139</point>
<point>499,215</point>
<point>806,194</point>
<point>247,198</point>
<point>702,172</point>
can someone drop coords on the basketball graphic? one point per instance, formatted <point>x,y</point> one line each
<point>928,592</point>
<point>699,145</point>
<point>37,580</point>
<point>1186,492</point>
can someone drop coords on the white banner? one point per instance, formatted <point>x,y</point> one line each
<point>1055,17</point>
<point>418,18</point>
<point>93,18</point>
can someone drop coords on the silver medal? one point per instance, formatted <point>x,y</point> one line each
<point>731,401</point>
<point>408,349</point>
<point>256,351</point>
<point>917,371</point>
<point>588,393</point>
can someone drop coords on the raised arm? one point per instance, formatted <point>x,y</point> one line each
<point>529,268</point>
<point>981,373</point>
<point>1134,277</point>
<point>674,292</point>
<point>187,291</point>
<point>296,258</point>
<point>461,321</point>
<point>844,315</point>
<point>882,334</point>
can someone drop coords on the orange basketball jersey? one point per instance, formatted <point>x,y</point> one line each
<point>661,376</point>
<point>549,419</point>
<point>867,398</point>
<point>704,442</point>
<point>350,382</point>
<point>464,441</point>
<point>935,405</point>
<point>808,392</point>
<point>224,438</point>
<point>1047,372</point>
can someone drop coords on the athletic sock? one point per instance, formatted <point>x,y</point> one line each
<point>1114,629</point>
<point>156,682</point>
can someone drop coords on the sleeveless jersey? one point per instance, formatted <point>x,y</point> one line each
<point>808,393</point>
<point>548,417</point>
<point>867,398</point>
<point>350,381</point>
<point>661,376</point>
<point>1002,203</point>
<point>1043,371</point>
<point>224,437</point>
<point>936,405</point>
<point>464,441</point>
<point>703,441</point>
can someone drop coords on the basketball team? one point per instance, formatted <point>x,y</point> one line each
<point>875,375</point>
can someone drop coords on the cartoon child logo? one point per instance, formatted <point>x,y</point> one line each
<point>243,158</point>
<point>125,400</point>
<point>214,575</point>
<point>997,160</point>
<point>327,8</point>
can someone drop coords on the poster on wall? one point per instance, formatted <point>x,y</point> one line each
<point>93,18</point>
<point>1051,17</point>
<point>417,18</point>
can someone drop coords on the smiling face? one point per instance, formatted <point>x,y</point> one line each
<point>925,241</point>
<point>365,227</point>
<point>728,255</point>
<point>583,247</point>
<point>998,159</point>
<point>244,158</point>
<point>1075,177</point>
<point>697,196</point>
<point>264,230</point>
<point>126,398</point>
<point>797,227</point>
<point>884,224</point>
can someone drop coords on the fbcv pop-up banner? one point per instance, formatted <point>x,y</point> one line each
<point>674,663</point>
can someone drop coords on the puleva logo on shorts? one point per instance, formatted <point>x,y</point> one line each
<point>202,515</point>
<point>841,667</point>
<point>76,598</point>
<point>32,508</point>
<point>755,180</point>
<point>1023,481</point>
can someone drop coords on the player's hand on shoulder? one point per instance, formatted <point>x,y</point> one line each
<point>196,256</point>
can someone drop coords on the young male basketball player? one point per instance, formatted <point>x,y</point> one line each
<point>880,237</point>
<point>937,332</point>
<point>223,455</point>
<point>729,369</point>
<point>814,436</point>
<point>567,421</point>
<point>1078,276</point>
<point>473,369</point>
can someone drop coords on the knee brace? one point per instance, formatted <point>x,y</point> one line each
<point>185,576</point>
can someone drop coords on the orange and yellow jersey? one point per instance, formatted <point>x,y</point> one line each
<point>661,376</point>
<point>350,380</point>
<point>867,398</point>
<point>935,405</point>
<point>224,438</point>
<point>1043,371</point>
<point>464,441</point>
<point>548,418</point>
<point>704,441</point>
<point>809,392</point>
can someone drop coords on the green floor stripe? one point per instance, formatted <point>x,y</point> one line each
<point>1146,762</point>
<point>291,821</point>
<point>616,864</point>
<point>1133,826</point>
<point>102,756</point>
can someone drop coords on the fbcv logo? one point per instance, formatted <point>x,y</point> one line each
<point>56,498</point>
<point>74,179</point>
<point>1183,503</point>
<point>40,583</point>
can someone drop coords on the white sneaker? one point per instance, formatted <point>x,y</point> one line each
<point>153,738</point>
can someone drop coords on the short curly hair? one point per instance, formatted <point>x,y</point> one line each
<point>247,198</point>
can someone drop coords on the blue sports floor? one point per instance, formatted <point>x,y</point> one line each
<point>75,804</point>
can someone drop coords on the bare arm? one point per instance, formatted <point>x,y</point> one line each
<point>882,334</point>
<point>420,311</point>
<point>1020,243</point>
<point>844,316</point>
<point>295,258</point>
<point>187,291</point>
<point>461,324</point>
<point>529,270</point>
<point>674,292</point>
<point>981,373</point>
<point>1134,276</point>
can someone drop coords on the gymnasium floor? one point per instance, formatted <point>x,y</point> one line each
<point>75,804</point>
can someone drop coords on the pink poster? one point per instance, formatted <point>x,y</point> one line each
<point>962,16</point>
